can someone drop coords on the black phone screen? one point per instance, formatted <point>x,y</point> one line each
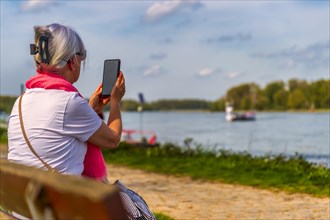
<point>110,73</point>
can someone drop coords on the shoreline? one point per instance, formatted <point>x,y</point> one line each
<point>174,195</point>
<point>260,111</point>
<point>184,198</point>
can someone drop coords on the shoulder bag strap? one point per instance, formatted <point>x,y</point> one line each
<point>26,138</point>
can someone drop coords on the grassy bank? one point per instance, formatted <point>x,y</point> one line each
<point>3,135</point>
<point>293,174</point>
<point>271,172</point>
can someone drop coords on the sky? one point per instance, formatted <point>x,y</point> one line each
<point>183,49</point>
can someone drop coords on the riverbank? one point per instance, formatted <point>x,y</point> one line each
<point>185,198</point>
<point>292,174</point>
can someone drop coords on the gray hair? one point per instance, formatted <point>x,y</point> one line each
<point>64,42</point>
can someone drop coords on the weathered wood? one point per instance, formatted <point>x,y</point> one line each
<point>67,197</point>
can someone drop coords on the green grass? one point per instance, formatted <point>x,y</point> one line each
<point>161,216</point>
<point>271,172</point>
<point>3,135</point>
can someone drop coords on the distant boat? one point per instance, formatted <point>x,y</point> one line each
<point>148,138</point>
<point>235,116</point>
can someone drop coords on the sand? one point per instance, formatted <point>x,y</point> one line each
<point>184,198</point>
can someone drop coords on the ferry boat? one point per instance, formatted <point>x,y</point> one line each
<point>235,116</point>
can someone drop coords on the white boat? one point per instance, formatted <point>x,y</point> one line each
<point>235,116</point>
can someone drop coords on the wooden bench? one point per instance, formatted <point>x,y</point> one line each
<point>38,194</point>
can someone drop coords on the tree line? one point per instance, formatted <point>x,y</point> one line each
<point>167,105</point>
<point>295,94</point>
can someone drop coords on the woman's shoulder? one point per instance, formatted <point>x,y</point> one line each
<point>78,105</point>
<point>50,94</point>
<point>36,91</point>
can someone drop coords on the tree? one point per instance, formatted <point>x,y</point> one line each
<point>297,100</point>
<point>280,100</point>
<point>129,105</point>
<point>243,96</point>
<point>218,105</point>
<point>261,102</point>
<point>271,89</point>
<point>293,84</point>
<point>320,93</point>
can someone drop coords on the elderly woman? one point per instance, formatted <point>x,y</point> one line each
<point>59,123</point>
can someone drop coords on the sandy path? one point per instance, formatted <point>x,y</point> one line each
<point>183,198</point>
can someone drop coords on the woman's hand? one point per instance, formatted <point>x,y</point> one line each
<point>119,89</point>
<point>97,102</point>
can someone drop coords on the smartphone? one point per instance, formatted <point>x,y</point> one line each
<point>111,71</point>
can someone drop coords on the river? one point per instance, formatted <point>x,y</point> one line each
<point>271,133</point>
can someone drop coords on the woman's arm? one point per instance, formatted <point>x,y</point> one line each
<point>108,135</point>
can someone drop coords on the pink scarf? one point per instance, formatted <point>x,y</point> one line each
<point>94,164</point>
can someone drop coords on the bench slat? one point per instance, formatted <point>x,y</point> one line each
<point>70,197</point>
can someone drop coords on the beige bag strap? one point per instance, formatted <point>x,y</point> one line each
<point>26,138</point>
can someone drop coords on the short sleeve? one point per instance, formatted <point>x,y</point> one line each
<point>80,120</point>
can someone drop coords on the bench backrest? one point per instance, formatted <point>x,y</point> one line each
<point>35,193</point>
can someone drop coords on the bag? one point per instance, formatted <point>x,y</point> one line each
<point>135,206</point>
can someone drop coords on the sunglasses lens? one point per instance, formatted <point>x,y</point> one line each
<point>84,54</point>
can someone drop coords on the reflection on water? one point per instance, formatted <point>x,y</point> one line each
<point>271,133</point>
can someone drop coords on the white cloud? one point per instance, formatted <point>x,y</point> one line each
<point>232,75</point>
<point>206,72</point>
<point>152,70</point>
<point>31,5</point>
<point>159,10</point>
<point>116,29</point>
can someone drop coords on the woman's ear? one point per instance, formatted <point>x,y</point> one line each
<point>71,64</point>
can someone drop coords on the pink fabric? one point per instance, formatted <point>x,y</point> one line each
<point>94,164</point>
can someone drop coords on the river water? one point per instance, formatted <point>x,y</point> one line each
<point>272,133</point>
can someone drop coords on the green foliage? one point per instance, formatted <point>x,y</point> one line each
<point>242,96</point>
<point>218,105</point>
<point>278,95</point>
<point>167,104</point>
<point>3,131</point>
<point>271,89</point>
<point>296,100</point>
<point>161,216</point>
<point>320,93</point>
<point>280,99</point>
<point>129,105</point>
<point>6,103</point>
<point>3,135</point>
<point>291,174</point>
<point>171,104</point>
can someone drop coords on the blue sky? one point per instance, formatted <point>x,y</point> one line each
<point>176,49</point>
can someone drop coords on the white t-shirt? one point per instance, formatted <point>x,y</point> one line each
<point>58,124</point>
